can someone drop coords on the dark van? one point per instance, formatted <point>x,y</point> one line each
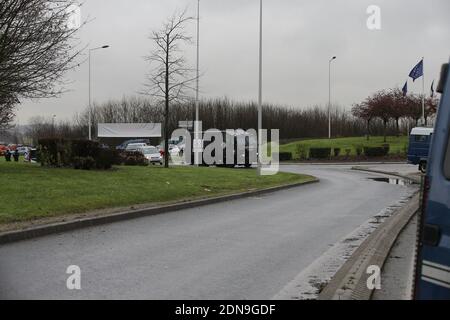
<point>419,147</point>
<point>432,279</point>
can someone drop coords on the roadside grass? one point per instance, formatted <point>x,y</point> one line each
<point>398,145</point>
<point>29,191</point>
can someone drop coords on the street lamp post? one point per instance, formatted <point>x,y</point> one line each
<point>197,116</point>
<point>329,97</point>
<point>90,90</point>
<point>53,125</point>
<point>260,87</point>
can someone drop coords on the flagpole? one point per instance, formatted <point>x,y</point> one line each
<point>423,90</point>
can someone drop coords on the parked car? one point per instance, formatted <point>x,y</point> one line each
<point>419,146</point>
<point>135,146</point>
<point>3,149</point>
<point>152,154</point>
<point>432,277</point>
<point>31,155</point>
<point>240,157</point>
<point>124,145</point>
<point>22,150</point>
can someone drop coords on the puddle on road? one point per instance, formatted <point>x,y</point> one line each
<point>395,181</point>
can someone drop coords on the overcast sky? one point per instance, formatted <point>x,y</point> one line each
<point>300,36</point>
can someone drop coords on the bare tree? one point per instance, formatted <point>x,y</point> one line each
<point>37,47</point>
<point>6,112</point>
<point>170,77</point>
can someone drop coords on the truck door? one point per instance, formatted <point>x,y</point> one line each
<point>433,264</point>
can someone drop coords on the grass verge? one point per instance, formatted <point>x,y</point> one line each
<point>29,192</point>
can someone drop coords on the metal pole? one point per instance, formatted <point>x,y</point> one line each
<point>89,107</point>
<point>329,99</point>
<point>90,90</point>
<point>260,87</point>
<point>197,111</point>
<point>423,90</point>
<point>329,96</point>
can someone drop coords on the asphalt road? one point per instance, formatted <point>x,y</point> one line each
<point>243,249</point>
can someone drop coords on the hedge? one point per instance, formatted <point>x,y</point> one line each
<point>285,156</point>
<point>320,153</point>
<point>79,154</point>
<point>372,152</point>
<point>134,158</point>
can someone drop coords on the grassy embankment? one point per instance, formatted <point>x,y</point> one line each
<point>29,191</point>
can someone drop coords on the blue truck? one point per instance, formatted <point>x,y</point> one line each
<point>419,147</point>
<point>432,273</point>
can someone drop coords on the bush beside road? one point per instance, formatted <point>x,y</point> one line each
<point>29,191</point>
<point>397,145</point>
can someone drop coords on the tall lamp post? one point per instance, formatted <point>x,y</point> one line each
<point>53,125</point>
<point>90,90</point>
<point>329,97</point>
<point>260,86</point>
<point>197,116</point>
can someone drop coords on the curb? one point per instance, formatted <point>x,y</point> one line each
<point>340,163</point>
<point>13,236</point>
<point>350,282</point>
<point>395,174</point>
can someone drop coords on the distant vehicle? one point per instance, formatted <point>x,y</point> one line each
<point>22,150</point>
<point>152,154</point>
<point>244,158</point>
<point>432,276</point>
<point>124,145</point>
<point>135,146</point>
<point>31,155</point>
<point>419,147</point>
<point>173,149</point>
<point>3,149</point>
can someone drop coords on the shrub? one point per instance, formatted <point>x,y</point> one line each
<point>375,151</point>
<point>347,152</point>
<point>106,158</point>
<point>387,148</point>
<point>285,156</point>
<point>85,148</point>
<point>54,152</point>
<point>302,152</point>
<point>359,150</point>
<point>79,154</point>
<point>320,153</point>
<point>337,152</point>
<point>134,158</point>
<point>84,163</point>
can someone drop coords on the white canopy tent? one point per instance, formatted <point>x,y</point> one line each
<point>129,130</point>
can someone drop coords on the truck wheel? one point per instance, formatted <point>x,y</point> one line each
<point>423,167</point>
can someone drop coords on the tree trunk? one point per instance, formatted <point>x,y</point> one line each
<point>384,130</point>
<point>166,111</point>
<point>397,126</point>
<point>368,130</point>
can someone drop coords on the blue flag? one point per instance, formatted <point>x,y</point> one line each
<point>405,89</point>
<point>417,71</point>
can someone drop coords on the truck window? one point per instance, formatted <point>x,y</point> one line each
<point>420,138</point>
<point>447,161</point>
